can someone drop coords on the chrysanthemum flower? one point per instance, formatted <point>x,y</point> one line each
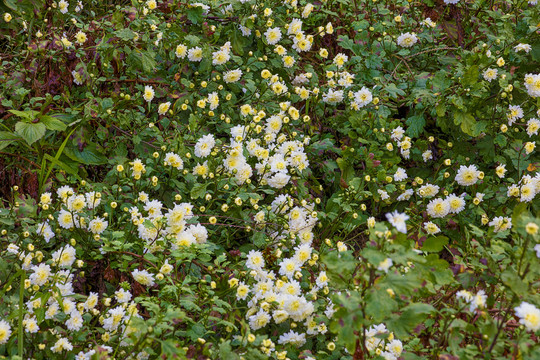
<point>529,316</point>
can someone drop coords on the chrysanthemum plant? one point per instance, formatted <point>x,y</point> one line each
<point>288,180</point>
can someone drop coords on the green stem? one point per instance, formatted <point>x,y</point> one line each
<point>21,313</point>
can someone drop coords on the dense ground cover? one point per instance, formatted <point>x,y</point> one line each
<point>342,179</point>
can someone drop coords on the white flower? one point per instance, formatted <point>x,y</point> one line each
<point>529,316</point>
<point>395,347</point>
<point>467,175</point>
<point>427,155</point>
<point>397,133</point>
<point>288,267</point>
<point>259,320</point>
<point>204,146</point>
<point>333,97</point>
<point>537,249</point>
<point>245,30</point>
<point>383,194</point>
<point>398,221</point>
<point>522,47</point>
<point>75,322</point>
<point>61,345</point>
<point>5,331</point>
<point>148,93</point>
<point>63,6</point>
<point>515,113</point>
<point>438,208</point>
<point>122,296</point>
<point>340,60</point>
<point>362,98</point>
<point>64,257</point>
<point>77,77</point>
<point>532,127</point>
<point>431,228</point>
<point>181,51</point>
<point>501,223</point>
<point>407,40</point>
<point>490,74</point>
<point>478,301</point>
<point>98,225</point>
<point>457,203</point>
<point>232,76</point>
<point>195,54</point>
<point>220,57</point>
<point>406,195</point>
<point>273,35</point>
<point>293,338</point>
<point>255,260</point>
<point>41,274</point>
<point>143,277</point>
<point>385,265</point>
<point>164,107</point>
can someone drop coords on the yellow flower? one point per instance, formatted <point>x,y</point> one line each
<point>80,37</point>
<point>531,228</point>
<point>529,147</point>
<point>151,4</point>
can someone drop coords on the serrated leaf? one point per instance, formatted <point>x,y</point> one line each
<point>416,125</point>
<point>259,239</point>
<point>466,122</point>
<point>52,123</point>
<point>394,91</point>
<point>411,316</point>
<point>238,42</point>
<point>195,14</point>
<point>470,77</point>
<point>198,191</point>
<point>148,61</point>
<point>28,114</point>
<point>90,155</point>
<point>125,34</point>
<point>434,244</point>
<point>30,132</point>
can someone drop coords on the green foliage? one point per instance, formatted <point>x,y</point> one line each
<point>179,183</point>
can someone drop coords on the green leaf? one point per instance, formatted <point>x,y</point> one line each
<point>394,91</point>
<point>148,61</point>
<point>441,110</point>
<point>259,239</point>
<point>466,121</point>
<point>226,353</point>
<point>510,278</point>
<point>195,14</point>
<point>90,155</point>
<point>411,316</point>
<point>340,266</point>
<point>379,304</point>
<point>30,132</point>
<point>168,347</point>
<point>198,191</point>
<point>52,123</point>
<point>416,125</point>
<point>28,114</point>
<point>125,34</point>
<point>238,42</point>
<point>434,244</point>
<point>470,77</point>
<point>6,138</point>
